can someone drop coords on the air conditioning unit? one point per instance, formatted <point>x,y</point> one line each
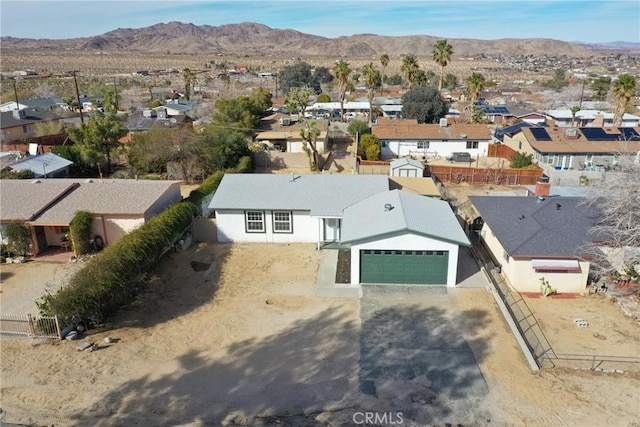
<point>444,123</point>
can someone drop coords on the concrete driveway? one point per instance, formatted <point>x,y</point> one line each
<point>415,357</point>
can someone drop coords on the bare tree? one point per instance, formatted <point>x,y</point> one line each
<point>617,199</point>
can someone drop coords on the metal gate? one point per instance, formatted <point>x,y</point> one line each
<point>30,326</point>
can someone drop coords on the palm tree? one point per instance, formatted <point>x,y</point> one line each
<point>475,85</point>
<point>342,72</point>
<point>442,52</point>
<point>623,89</point>
<point>410,68</point>
<point>384,61</point>
<point>372,77</point>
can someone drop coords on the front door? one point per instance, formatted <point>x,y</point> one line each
<point>331,229</point>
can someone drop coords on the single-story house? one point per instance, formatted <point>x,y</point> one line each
<point>47,165</point>
<point>49,205</point>
<point>589,118</point>
<point>406,167</point>
<point>588,148</point>
<point>19,125</point>
<point>177,107</point>
<point>401,138</point>
<point>394,236</point>
<point>274,135</point>
<point>532,238</point>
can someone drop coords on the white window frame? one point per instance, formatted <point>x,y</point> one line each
<point>277,222</point>
<point>422,145</point>
<point>254,221</point>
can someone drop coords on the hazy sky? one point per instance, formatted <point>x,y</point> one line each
<point>569,20</point>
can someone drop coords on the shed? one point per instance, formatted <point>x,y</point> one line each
<point>406,167</point>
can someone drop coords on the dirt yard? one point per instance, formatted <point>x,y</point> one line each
<point>247,342</point>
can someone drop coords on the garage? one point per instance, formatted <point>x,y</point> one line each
<point>416,267</point>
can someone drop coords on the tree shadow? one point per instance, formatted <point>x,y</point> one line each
<point>175,287</point>
<point>407,358</point>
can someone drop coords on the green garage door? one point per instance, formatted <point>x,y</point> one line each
<point>404,267</point>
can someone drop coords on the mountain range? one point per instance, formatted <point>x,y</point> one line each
<point>258,39</point>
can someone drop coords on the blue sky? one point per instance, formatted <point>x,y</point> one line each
<point>569,20</point>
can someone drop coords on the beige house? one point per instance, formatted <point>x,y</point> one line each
<point>532,239</point>
<point>20,125</point>
<point>280,135</point>
<point>49,205</point>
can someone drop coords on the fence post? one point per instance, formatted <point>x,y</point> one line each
<point>31,326</point>
<point>57,320</point>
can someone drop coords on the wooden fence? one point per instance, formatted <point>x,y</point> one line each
<point>499,150</point>
<point>31,326</point>
<point>499,176</point>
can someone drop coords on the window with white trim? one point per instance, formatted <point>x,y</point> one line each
<point>282,222</point>
<point>423,145</point>
<point>254,221</point>
<point>550,159</point>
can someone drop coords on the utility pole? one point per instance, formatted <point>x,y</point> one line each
<point>115,88</point>
<point>78,96</point>
<point>15,93</point>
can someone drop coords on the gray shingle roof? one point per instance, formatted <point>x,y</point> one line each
<point>526,226</point>
<point>21,199</point>
<point>32,115</point>
<point>322,195</point>
<point>396,211</point>
<point>25,197</point>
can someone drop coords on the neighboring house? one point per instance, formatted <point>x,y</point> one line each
<point>401,138</point>
<point>50,103</point>
<point>19,125</point>
<point>589,118</point>
<point>178,107</point>
<point>49,205</point>
<point>274,135</point>
<point>498,115</point>
<point>47,165</point>
<point>142,121</point>
<point>584,149</point>
<point>535,237</point>
<point>406,167</point>
<point>394,236</point>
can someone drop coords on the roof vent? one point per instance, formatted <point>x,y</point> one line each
<point>463,135</point>
<point>88,181</point>
<point>558,206</point>
<point>388,207</point>
<point>36,181</point>
<point>443,122</point>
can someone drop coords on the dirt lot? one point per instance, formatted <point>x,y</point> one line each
<point>250,343</point>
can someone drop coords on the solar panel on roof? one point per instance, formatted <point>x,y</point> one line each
<point>598,134</point>
<point>629,134</point>
<point>540,134</point>
<point>496,110</point>
<point>513,128</point>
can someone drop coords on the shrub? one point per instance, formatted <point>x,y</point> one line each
<point>80,230</point>
<point>18,237</point>
<point>358,127</point>
<point>208,186</point>
<point>109,280</point>
<point>520,160</point>
<point>245,164</point>
<point>323,97</point>
<point>370,145</point>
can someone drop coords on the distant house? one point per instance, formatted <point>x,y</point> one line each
<point>405,239</point>
<point>141,121</point>
<point>588,149</point>
<point>532,238</point>
<point>20,125</point>
<point>49,205</point>
<point>50,103</point>
<point>177,107</point>
<point>281,135</point>
<point>402,138</point>
<point>47,165</point>
<point>589,118</point>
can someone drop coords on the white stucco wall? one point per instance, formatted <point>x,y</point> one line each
<point>408,242</point>
<point>524,278</point>
<point>231,228</point>
<point>442,148</point>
